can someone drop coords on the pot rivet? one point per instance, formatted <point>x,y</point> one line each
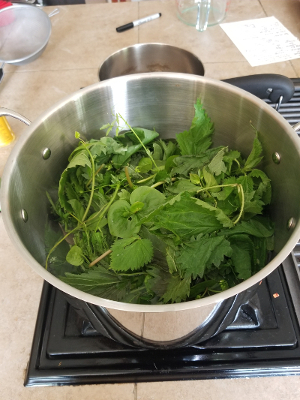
<point>276,158</point>
<point>24,215</point>
<point>291,223</point>
<point>46,153</point>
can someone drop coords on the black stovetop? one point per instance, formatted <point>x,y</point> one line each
<point>67,351</point>
<point>263,340</point>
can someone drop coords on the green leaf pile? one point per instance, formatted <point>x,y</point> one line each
<point>153,221</point>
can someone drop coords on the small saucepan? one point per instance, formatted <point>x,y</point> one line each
<point>160,57</point>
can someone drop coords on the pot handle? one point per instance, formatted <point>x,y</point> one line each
<point>277,88</point>
<point>4,112</point>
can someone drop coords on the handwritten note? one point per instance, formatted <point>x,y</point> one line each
<point>263,41</point>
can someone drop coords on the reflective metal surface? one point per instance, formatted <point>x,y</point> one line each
<point>24,33</point>
<point>150,57</point>
<point>166,102</point>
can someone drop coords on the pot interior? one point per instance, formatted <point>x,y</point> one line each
<point>156,100</point>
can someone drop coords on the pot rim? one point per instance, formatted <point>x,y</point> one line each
<point>110,304</point>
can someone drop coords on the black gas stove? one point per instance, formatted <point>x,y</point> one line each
<point>263,340</point>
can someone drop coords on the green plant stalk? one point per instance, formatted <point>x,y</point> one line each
<point>128,178</point>
<point>93,185</point>
<point>241,190</point>
<point>217,186</point>
<point>146,150</point>
<point>98,170</point>
<point>58,243</point>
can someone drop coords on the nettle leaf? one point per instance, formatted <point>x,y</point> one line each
<point>185,218</point>
<point>242,255</point>
<point>107,145</point>
<point>169,148</point>
<point>260,227</point>
<point>195,179</point>
<point>187,163</point>
<point>78,210</point>
<point>99,282</point>
<point>264,189</point>
<point>171,259</point>
<point>157,280</point>
<point>150,197</point>
<point>178,290</point>
<point>144,165</point>
<point>199,137</point>
<point>157,152</point>
<point>183,185</point>
<point>217,165</point>
<point>80,158</point>
<point>198,256</point>
<point>210,180</point>
<point>220,215</point>
<point>121,222</point>
<point>131,253</point>
<point>75,256</point>
<point>255,156</point>
<point>230,157</point>
<point>146,137</point>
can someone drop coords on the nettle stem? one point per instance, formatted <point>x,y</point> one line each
<point>145,148</point>
<point>100,258</point>
<point>128,178</point>
<point>98,170</point>
<point>217,187</point>
<point>93,185</point>
<point>58,243</point>
<point>240,191</point>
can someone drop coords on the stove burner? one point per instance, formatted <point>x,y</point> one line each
<point>263,340</point>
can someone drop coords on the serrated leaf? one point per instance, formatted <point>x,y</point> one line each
<point>210,180</point>
<point>199,137</point>
<point>198,256</point>
<point>182,185</point>
<point>131,254</point>
<point>178,290</point>
<point>157,280</point>
<point>220,215</point>
<point>99,282</point>
<point>255,156</point>
<point>148,136</point>
<point>187,163</point>
<point>260,227</point>
<point>185,218</point>
<point>107,145</point>
<point>242,254</point>
<point>217,165</point>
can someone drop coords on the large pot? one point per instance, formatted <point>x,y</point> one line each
<point>164,101</point>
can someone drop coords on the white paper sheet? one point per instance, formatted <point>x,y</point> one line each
<point>263,41</point>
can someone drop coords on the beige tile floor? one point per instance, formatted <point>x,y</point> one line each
<point>82,37</point>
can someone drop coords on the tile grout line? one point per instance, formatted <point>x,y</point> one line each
<point>135,391</point>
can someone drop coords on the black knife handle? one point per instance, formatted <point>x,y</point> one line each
<point>266,86</point>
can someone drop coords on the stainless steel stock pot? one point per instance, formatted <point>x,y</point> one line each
<point>164,101</point>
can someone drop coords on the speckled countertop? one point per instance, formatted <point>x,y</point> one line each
<point>82,37</point>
